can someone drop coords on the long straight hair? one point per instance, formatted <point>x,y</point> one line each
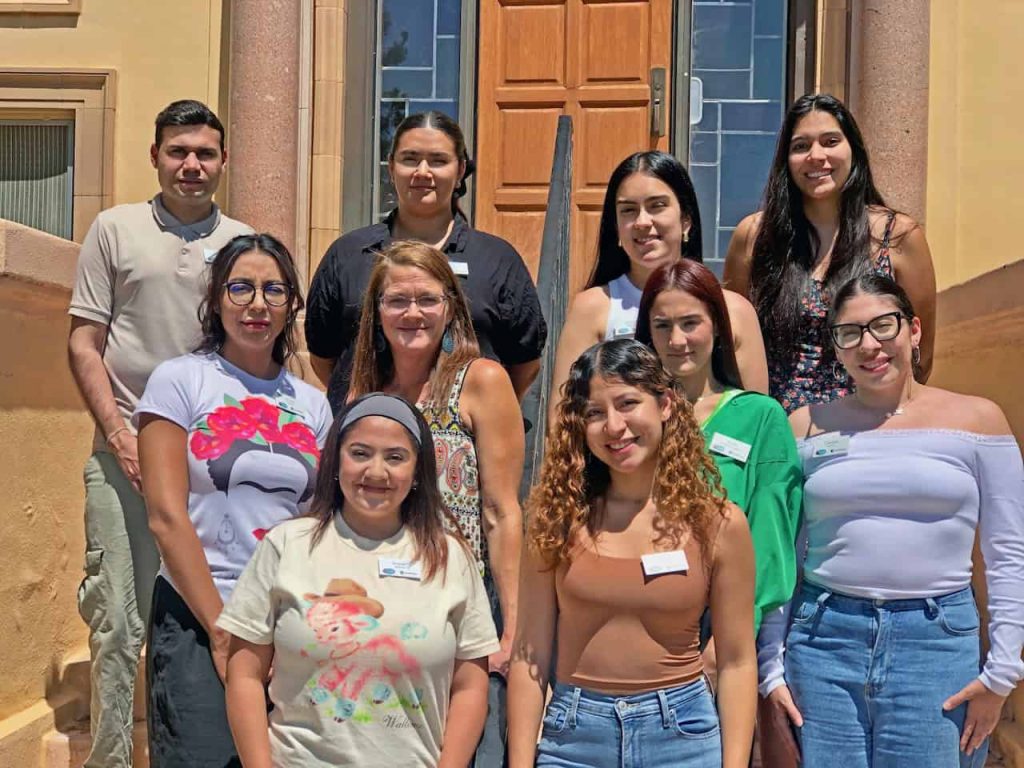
<point>373,362</point>
<point>612,259</point>
<point>423,511</point>
<point>786,247</point>
<point>700,282</point>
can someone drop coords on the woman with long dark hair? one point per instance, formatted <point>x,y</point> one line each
<point>649,218</point>
<point>630,540</point>
<point>881,663</point>
<point>229,442</point>
<point>823,223</point>
<point>374,620</point>
<point>429,163</point>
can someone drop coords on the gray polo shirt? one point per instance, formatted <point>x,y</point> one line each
<point>143,273</point>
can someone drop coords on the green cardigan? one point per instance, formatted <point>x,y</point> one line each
<point>767,486</point>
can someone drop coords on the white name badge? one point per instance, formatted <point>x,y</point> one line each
<point>460,268</point>
<point>830,444</point>
<point>401,569</point>
<point>209,254</point>
<point>731,447</point>
<point>664,562</point>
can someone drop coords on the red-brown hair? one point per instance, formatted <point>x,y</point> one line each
<point>700,282</point>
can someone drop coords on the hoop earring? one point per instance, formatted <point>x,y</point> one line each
<point>838,372</point>
<point>447,342</point>
<point>915,356</point>
<point>380,341</point>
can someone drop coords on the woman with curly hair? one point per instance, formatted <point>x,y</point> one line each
<point>630,540</point>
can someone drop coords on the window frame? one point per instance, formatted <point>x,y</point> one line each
<point>362,47</point>
<point>68,121</point>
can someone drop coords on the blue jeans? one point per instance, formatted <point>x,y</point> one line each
<point>669,727</point>
<point>870,676</point>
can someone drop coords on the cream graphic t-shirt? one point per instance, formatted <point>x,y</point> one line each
<point>364,647</point>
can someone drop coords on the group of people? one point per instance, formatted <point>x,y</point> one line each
<point>734,484</point>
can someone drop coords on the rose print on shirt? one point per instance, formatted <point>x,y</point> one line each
<point>367,673</point>
<point>234,441</point>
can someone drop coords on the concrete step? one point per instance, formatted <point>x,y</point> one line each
<point>70,747</point>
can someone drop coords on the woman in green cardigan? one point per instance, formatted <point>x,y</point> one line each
<point>683,316</point>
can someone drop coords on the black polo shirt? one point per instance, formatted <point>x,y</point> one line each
<point>502,298</point>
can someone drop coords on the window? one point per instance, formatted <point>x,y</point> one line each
<point>36,174</point>
<point>421,61</point>
<point>739,97</point>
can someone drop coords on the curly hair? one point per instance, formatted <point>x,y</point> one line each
<point>687,488</point>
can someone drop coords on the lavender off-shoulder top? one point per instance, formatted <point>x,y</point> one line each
<point>892,514</point>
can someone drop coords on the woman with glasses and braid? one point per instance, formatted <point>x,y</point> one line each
<point>229,443</point>
<point>881,665</point>
<point>416,340</point>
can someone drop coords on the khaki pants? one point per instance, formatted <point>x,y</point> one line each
<point>121,562</point>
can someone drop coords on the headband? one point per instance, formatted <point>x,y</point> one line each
<point>388,406</point>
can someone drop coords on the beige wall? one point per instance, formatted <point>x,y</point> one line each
<point>161,51</point>
<point>975,154</point>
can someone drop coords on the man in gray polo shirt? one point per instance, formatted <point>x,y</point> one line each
<point>141,276</point>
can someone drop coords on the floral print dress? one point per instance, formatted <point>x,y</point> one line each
<point>807,376</point>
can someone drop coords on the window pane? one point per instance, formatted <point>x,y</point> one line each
<point>36,175</point>
<point>418,70</point>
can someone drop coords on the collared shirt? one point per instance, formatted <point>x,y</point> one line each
<point>143,273</point>
<point>502,299</point>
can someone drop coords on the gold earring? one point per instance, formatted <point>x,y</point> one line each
<point>686,236</point>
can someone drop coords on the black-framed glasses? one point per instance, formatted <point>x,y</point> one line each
<point>397,303</point>
<point>883,328</point>
<point>242,293</point>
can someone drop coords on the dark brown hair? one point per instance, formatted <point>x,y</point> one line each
<point>439,121</point>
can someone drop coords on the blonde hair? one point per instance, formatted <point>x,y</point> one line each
<point>373,367</point>
<point>687,489</point>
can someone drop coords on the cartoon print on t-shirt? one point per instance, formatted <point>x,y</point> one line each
<point>234,440</point>
<point>366,673</point>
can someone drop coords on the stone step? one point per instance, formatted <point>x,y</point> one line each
<point>70,747</point>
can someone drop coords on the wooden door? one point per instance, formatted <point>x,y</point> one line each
<point>543,58</point>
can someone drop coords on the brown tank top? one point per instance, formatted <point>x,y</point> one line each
<point>622,632</point>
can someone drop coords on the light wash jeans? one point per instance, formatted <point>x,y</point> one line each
<point>870,676</point>
<point>121,563</point>
<point>675,727</point>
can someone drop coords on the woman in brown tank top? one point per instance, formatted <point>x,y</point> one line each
<point>630,540</point>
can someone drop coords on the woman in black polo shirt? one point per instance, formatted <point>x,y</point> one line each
<point>429,164</point>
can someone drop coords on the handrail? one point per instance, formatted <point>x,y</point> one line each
<point>552,287</point>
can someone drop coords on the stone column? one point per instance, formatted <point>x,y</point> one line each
<point>889,96</point>
<point>264,115</point>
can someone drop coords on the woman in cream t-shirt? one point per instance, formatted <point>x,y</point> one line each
<point>375,621</point>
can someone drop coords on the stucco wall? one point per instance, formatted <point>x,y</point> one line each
<point>161,51</point>
<point>44,439</point>
<point>975,156</point>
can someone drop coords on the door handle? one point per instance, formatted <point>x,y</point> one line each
<point>658,108</point>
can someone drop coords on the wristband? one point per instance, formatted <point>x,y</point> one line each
<point>115,433</point>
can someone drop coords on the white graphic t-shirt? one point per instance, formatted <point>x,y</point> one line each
<point>364,646</point>
<point>253,449</point>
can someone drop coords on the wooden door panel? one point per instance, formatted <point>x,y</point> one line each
<point>540,59</point>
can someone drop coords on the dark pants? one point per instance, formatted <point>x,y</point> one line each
<point>491,752</point>
<point>188,721</point>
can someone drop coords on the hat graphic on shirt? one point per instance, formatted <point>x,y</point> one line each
<point>349,592</point>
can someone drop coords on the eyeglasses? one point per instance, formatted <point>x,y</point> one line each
<point>428,303</point>
<point>242,293</point>
<point>883,328</point>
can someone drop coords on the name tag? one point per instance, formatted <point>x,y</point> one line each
<point>731,447</point>
<point>623,332</point>
<point>830,444</point>
<point>209,254</point>
<point>664,562</point>
<point>460,268</point>
<point>401,569</point>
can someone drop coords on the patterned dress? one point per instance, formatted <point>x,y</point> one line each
<point>805,377</point>
<point>458,476</point>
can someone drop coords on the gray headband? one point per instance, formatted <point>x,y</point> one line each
<point>388,406</point>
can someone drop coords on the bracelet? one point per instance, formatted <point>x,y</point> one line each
<point>115,433</point>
